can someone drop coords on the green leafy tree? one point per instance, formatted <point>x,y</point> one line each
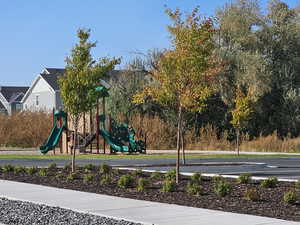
<point>82,76</point>
<point>262,52</point>
<point>185,73</point>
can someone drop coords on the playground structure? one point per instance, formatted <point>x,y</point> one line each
<point>93,128</point>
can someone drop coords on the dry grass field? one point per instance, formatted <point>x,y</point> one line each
<point>31,129</point>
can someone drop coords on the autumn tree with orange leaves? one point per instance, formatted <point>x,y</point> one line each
<point>186,72</point>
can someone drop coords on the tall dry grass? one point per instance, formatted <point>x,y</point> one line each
<point>25,129</point>
<point>31,129</point>
<point>272,143</point>
<point>159,134</point>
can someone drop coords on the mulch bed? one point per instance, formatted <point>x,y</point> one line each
<point>271,202</point>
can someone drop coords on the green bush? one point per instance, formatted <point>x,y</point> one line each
<point>42,172</point>
<point>67,167</point>
<point>137,173</point>
<point>269,183</point>
<point>168,186</point>
<point>142,184</point>
<point>88,177</point>
<point>125,181</point>
<point>8,168</point>
<point>60,176</point>
<point>52,166</point>
<point>89,167</point>
<point>193,188</point>
<point>297,185</point>
<point>244,178</point>
<point>116,171</point>
<point>196,178</point>
<point>222,188</point>
<point>19,169</point>
<point>105,169</point>
<point>72,176</point>
<point>156,175</point>
<point>171,175</point>
<point>32,170</point>
<point>106,179</point>
<point>218,179</point>
<point>290,197</point>
<point>252,195</point>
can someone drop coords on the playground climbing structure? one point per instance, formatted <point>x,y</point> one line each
<point>93,129</point>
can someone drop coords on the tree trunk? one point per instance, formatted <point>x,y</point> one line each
<point>178,144</point>
<point>238,141</point>
<point>75,143</point>
<point>182,147</point>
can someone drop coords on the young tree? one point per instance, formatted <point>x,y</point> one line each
<point>241,114</point>
<point>82,76</point>
<point>185,73</point>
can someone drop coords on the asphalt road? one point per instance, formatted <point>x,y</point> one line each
<point>287,167</point>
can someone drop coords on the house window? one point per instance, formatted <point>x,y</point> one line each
<point>19,107</point>
<point>37,102</point>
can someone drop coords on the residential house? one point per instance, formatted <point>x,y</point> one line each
<point>44,93</point>
<point>10,98</point>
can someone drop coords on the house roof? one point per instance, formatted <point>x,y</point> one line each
<point>54,70</point>
<point>52,80</point>
<point>13,93</point>
<point>1,106</point>
<point>51,75</point>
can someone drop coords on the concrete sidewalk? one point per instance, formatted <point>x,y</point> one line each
<point>144,212</point>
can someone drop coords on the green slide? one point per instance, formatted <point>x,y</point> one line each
<point>52,140</point>
<point>56,132</point>
<point>113,144</point>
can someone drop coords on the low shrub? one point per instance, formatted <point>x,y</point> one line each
<point>168,186</point>
<point>137,173</point>
<point>116,171</point>
<point>67,167</point>
<point>196,178</point>
<point>42,172</point>
<point>155,175</point>
<point>244,178</point>
<point>171,175</point>
<point>105,169</point>
<point>252,195</point>
<point>297,185</point>
<point>88,177</point>
<point>52,166</point>
<point>125,181</point>
<point>72,176</point>
<point>8,168</point>
<point>106,179</point>
<point>290,197</point>
<point>19,169</point>
<point>142,184</point>
<point>193,188</point>
<point>218,179</point>
<point>222,188</point>
<point>60,176</point>
<point>32,170</point>
<point>89,167</point>
<point>269,183</point>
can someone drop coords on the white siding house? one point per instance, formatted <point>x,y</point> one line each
<point>44,94</point>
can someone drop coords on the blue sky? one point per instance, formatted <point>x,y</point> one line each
<point>37,34</point>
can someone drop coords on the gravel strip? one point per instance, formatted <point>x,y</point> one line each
<point>25,213</point>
